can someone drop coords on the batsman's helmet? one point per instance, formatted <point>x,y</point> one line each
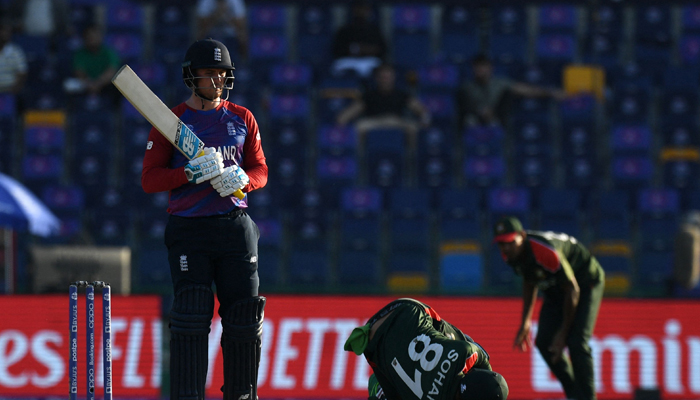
<point>207,53</point>
<point>482,384</point>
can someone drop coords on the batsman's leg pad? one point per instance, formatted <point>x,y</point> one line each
<point>190,320</point>
<point>241,343</point>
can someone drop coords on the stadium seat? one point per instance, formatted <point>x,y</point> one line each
<point>362,201</point>
<point>653,23</point>
<point>129,46</point>
<point>64,198</point>
<point>461,268</point>
<point>406,45</point>
<point>483,140</point>
<point>111,229</point>
<point>655,270</point>
<point>293,78</point>
<point>689,49</point>
<point>508,19</point>
<point>459,39</point>
<point>435,142</point>
<point>508,49</point>
<point>630,140</point>
<point>441,108</point>
<point>559,47</point>
<point>579,138</point>
<point>690,21</point>
<point>124,16</point>
<point>435,171</point>
<point>533,171</point>
<point>287,171</point>
<point>94,134</point>
<point>578,108</point>
<point>289,107</point>
<point>360,233</point>
<point>410,36</point>
<point>681,167</point>
<point>459,214</point>
<point>267,49</point>
<point>632,172</point>
<point>658,210</point>
<point>581,172</point>
<point>560,210</point>
<point>602,49</point>
<point>314,34</point>
<point>8,106</point>
<point>557,18</point>
<point>438,78</point>
<point>630,107</point>
<point>38,167</point>
<point>508,202</point>
<point>459,48</point>
<point>268,18</point>
<point>611,215</point>
<point>484,171</point>
<point>44,140</point>
<point>358,269</point>
<point>337,141</point>
<point>308,268</point>
<point>172,20</point>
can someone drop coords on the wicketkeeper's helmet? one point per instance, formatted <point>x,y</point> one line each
<point>482,384</point>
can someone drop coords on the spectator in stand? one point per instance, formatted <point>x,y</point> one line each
<point>47,18</point>
<point>359,44</point>
<point>386,107</point>
<point>95,64</point>
<point>224,18</point>
<point>13,63</point>
<point>483,101</point>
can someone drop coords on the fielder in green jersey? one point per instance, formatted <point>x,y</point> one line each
<point>415,354</point>
<point>572,282</point>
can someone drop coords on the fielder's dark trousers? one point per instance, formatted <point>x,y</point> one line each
<point>575,372</point>
<point>223,250</point>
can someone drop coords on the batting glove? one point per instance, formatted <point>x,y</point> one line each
<point>232,178</point>
<point>205,167</point>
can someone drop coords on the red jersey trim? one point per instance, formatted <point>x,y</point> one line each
<point>546,256</point>
<point>470,362</point>
<point>433,314</point>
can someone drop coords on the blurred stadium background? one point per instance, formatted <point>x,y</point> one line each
<point>617,164</point>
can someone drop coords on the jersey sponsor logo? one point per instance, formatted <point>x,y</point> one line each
<point>184,267</point>
<point>149,145</point>
<point>228,152</point>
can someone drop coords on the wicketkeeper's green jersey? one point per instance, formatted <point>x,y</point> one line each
<point>416,355</point>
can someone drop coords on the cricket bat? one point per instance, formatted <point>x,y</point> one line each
<point>159,115</point>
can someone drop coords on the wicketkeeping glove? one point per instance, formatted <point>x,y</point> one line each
<point>231,179</point>
<point>207,166</point>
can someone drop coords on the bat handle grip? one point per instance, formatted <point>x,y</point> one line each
<point>239,194</point>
